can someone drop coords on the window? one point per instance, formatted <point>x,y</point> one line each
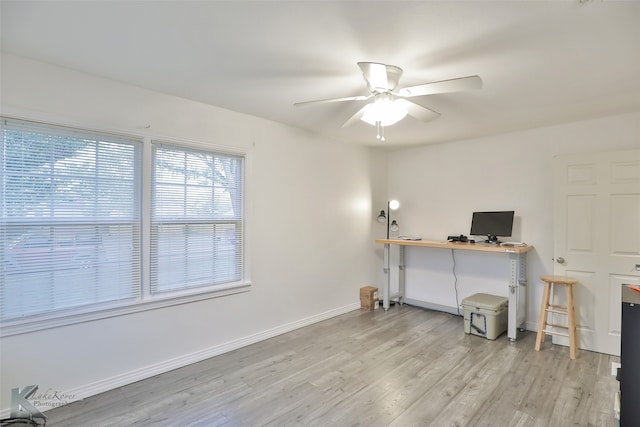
<point>72,227</point>
<point>197,220</point>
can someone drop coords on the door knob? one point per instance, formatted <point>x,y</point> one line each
<point>560,260</point>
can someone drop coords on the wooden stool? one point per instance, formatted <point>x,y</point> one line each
<point>568,310</point>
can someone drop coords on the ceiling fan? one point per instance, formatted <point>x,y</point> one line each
<point>389,104</point>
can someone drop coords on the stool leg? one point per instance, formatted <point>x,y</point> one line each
<point>542,321</point>
<point>573,342</point>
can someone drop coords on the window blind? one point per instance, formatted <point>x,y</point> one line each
<point>197,218</point>
<point>70,219</point>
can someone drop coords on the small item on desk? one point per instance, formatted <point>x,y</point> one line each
<point>408,238</point>
<point>460,238</point>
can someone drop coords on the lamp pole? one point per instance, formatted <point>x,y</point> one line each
<point>388,217</point>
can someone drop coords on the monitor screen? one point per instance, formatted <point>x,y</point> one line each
<point>492,224</point>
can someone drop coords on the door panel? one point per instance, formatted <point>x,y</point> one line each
<point>626,209</point>
<point>597,233</point>
<point>580,234</point>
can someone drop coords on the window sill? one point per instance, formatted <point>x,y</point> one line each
<point>69,317</point>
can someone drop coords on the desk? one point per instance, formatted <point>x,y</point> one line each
<point>517,277</point>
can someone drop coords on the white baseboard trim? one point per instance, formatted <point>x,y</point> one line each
<point>432,306</point>
<point>198,356</point>
<point>130,377</point>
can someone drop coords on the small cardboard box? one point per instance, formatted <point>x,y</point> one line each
<point>485,315</point>
<point>369,304</point>
<point>369,298</point>
<point>369,293</point>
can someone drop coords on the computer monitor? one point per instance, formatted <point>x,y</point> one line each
<point>492,225</point>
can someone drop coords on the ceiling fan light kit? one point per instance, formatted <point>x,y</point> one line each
<point>389,105</point>
<point>384,110</point>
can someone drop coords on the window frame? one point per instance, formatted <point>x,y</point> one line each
<point>160,149</point>
<point>145,300</point>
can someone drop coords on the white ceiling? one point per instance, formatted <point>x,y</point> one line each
<point>542,62</point>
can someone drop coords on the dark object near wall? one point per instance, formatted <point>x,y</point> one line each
<point>630,358</point>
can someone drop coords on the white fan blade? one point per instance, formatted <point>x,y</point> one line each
<point>375,75</point>
<point>354,119</point>
<point>419,112</point>
<point>443,86</point>
<point>326,101</point>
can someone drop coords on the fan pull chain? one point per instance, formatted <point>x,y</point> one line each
<point>380,129</point>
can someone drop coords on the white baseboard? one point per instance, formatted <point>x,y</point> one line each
<point>111,383</point>
<point>435,307</point>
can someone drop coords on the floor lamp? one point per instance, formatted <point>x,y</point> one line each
<point>393,226</point>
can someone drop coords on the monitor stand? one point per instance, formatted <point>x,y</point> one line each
<point>493,240</point>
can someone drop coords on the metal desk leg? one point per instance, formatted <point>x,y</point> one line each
<point>387,270</point>
<point>401,276</point>
<point>386,294</point>
<point>517,294</point>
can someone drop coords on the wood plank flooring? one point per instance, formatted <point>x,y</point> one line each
<point>406,367</point>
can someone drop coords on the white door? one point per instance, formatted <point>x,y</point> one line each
<point>597,239</point>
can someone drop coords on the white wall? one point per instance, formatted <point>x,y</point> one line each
<point>440,186</point>
<point>310,231</point>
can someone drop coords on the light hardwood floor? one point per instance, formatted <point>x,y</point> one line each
<point>406,367</point>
